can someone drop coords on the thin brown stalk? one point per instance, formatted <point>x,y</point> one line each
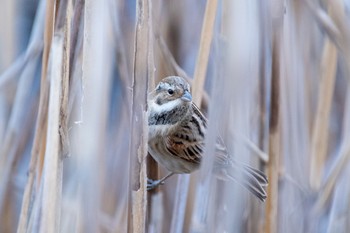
<point>204,50</point>
<point>64,141</point>
<point>29,191</point>
<point>76,45</point>
<point>274,148</point>
<point>33,221</point>
<point>48,33</point>
<point>320,129</point>
<point>336,26</point>
<point>76,22</point>
<point>275,121</point>
<point>15,130</point>
<point>37,143</point>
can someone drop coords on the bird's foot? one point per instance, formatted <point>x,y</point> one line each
<point>151,184</point>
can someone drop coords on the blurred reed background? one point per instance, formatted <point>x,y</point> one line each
<point>271,75</point>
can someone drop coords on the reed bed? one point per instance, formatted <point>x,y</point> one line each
<point>271,76</point>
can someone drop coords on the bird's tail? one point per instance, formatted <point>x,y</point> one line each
<point>250,178</point>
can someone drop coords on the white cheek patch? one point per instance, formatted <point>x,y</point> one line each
<point>164,107</point>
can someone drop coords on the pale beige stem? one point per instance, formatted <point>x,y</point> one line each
<point>204,50</point>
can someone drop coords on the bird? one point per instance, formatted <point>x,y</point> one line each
<point>176,138</point>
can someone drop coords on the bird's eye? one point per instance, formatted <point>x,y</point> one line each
<point>170,91</point>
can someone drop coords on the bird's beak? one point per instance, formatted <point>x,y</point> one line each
<point>186,96</point>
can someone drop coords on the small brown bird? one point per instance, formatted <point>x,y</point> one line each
<point>176,138</point>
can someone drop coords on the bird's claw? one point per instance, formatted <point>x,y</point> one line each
<point>151,184</point>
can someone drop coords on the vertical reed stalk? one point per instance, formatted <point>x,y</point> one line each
<point>204,50</point>
<point>273,164</point>
<point>320,134</point>
<point>27,196</point>
<point>52,173</point>
<point>139,129</point>
<point>44,90</point>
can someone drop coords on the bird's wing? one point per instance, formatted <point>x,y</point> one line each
<point>184,143</point>
<point>184,149</point>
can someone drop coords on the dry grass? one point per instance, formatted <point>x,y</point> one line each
<point>271,76</point>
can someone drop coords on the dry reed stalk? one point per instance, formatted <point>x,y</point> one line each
<point>274,143</point>
<point>57,122</point>
<point>273,164</point>
<point>16,128</point>
<point>204,50</point>
<point>336,26</point>
<point>340,18</point>
<point>39,134</point>
<point>76,23</point>
<point>37,150</point>
<point>33,221</point>
<point>155,204</point>
<point>326,22</point>
<point>42,115</point>
<point>320,129</point>
<point>53,164</point>
<point>76,45</point>
<point>138,141</point>
<point>64,140</point>
<point>57,119</point>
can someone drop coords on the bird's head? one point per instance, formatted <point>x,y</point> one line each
<point>172,91</point>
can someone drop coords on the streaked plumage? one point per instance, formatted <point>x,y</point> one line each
<point>176,137</point>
